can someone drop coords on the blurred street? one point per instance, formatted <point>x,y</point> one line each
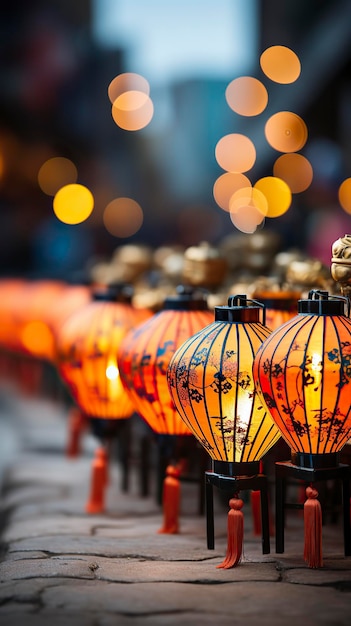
<point>62,566</point>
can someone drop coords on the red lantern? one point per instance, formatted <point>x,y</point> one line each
<point>87,354</point>
<point>303,373</point>
<point>210,379</point>
<point>144,356</point>
<point>145,353</point>
<point>87,361</point>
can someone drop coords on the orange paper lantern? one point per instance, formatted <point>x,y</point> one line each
<point>303,372</point>
<point>211,383</point>
<point>87,353</point>
<point>146,351</point>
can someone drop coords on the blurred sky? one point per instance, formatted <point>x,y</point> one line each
<point>56,61</point>
<point>172,41</point>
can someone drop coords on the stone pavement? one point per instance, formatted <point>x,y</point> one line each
<point>61,566</point>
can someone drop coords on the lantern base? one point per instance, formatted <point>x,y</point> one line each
<point>232,484</point>
<point>238,469</point>
<point>285,470</point>
<point>314,461</point>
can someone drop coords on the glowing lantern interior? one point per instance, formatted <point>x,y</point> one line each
<point>87,356</point>
<point>144,356</point>
<point>211,383</point>
<point>303,372</point>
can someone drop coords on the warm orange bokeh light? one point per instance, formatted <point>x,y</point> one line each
<point>246,96</point>
<point>344,195</point>
<point>226,185</point>
<point>73,204</point>
<point>277,193</point>
<point>286,132</point>
<point>123,217</point>
<point>55,173</point>
<point>37,339</point>
<point>280,64</point>
<point>235,153</point>
<point>246,218</point>
<point>249,196</point>
<point>131,100</point>
<point>295,169</point>
<point>128,81</point>
<point>136,117</point>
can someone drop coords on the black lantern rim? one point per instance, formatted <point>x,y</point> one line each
<point>315,461</point>
<point>241,309</point>
<point>321,303</point>
<point>186,299</point>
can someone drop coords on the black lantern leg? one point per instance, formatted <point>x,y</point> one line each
<point>346,516</point>
<point>286,469</point>
<point>209,514</point>
<point>279,513</point>
<point>232,484</point>
<point>265,518</point>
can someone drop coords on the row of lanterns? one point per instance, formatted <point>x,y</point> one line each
<point>232,382</point>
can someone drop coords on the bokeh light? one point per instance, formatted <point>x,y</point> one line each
<point>246,218</point>
<point>246,96</point>
<point>138,115</point>
<point>344,194</point>
<point>286,132</point>
<point>123,217</point>
<point>227,184</point>
<point>235,153</point>
<point>128,81</point>
<point>277,193</point>
<point>295,169</point>
<point>73,204</point>
<point>280,64</point>
<point>249,196</point>
<point>131,100</point>
<point>56,173</point>
<point>37,338</point>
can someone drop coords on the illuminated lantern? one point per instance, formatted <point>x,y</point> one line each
<point>72,298</point>
<point>87,354</point>
<point>145,353</point>
<point>144,356</point>
<point>211,383</point>
<point>303,373</point>
<point>33,313</point>
<point>33,338</point>
<point>87,362</point>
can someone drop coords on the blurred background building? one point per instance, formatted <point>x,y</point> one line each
<point>57,59</point>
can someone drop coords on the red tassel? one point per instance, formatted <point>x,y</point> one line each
<point>235,531</point>
<point>96,502</point>
<point>171,501</point>
<point>313,529</point>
